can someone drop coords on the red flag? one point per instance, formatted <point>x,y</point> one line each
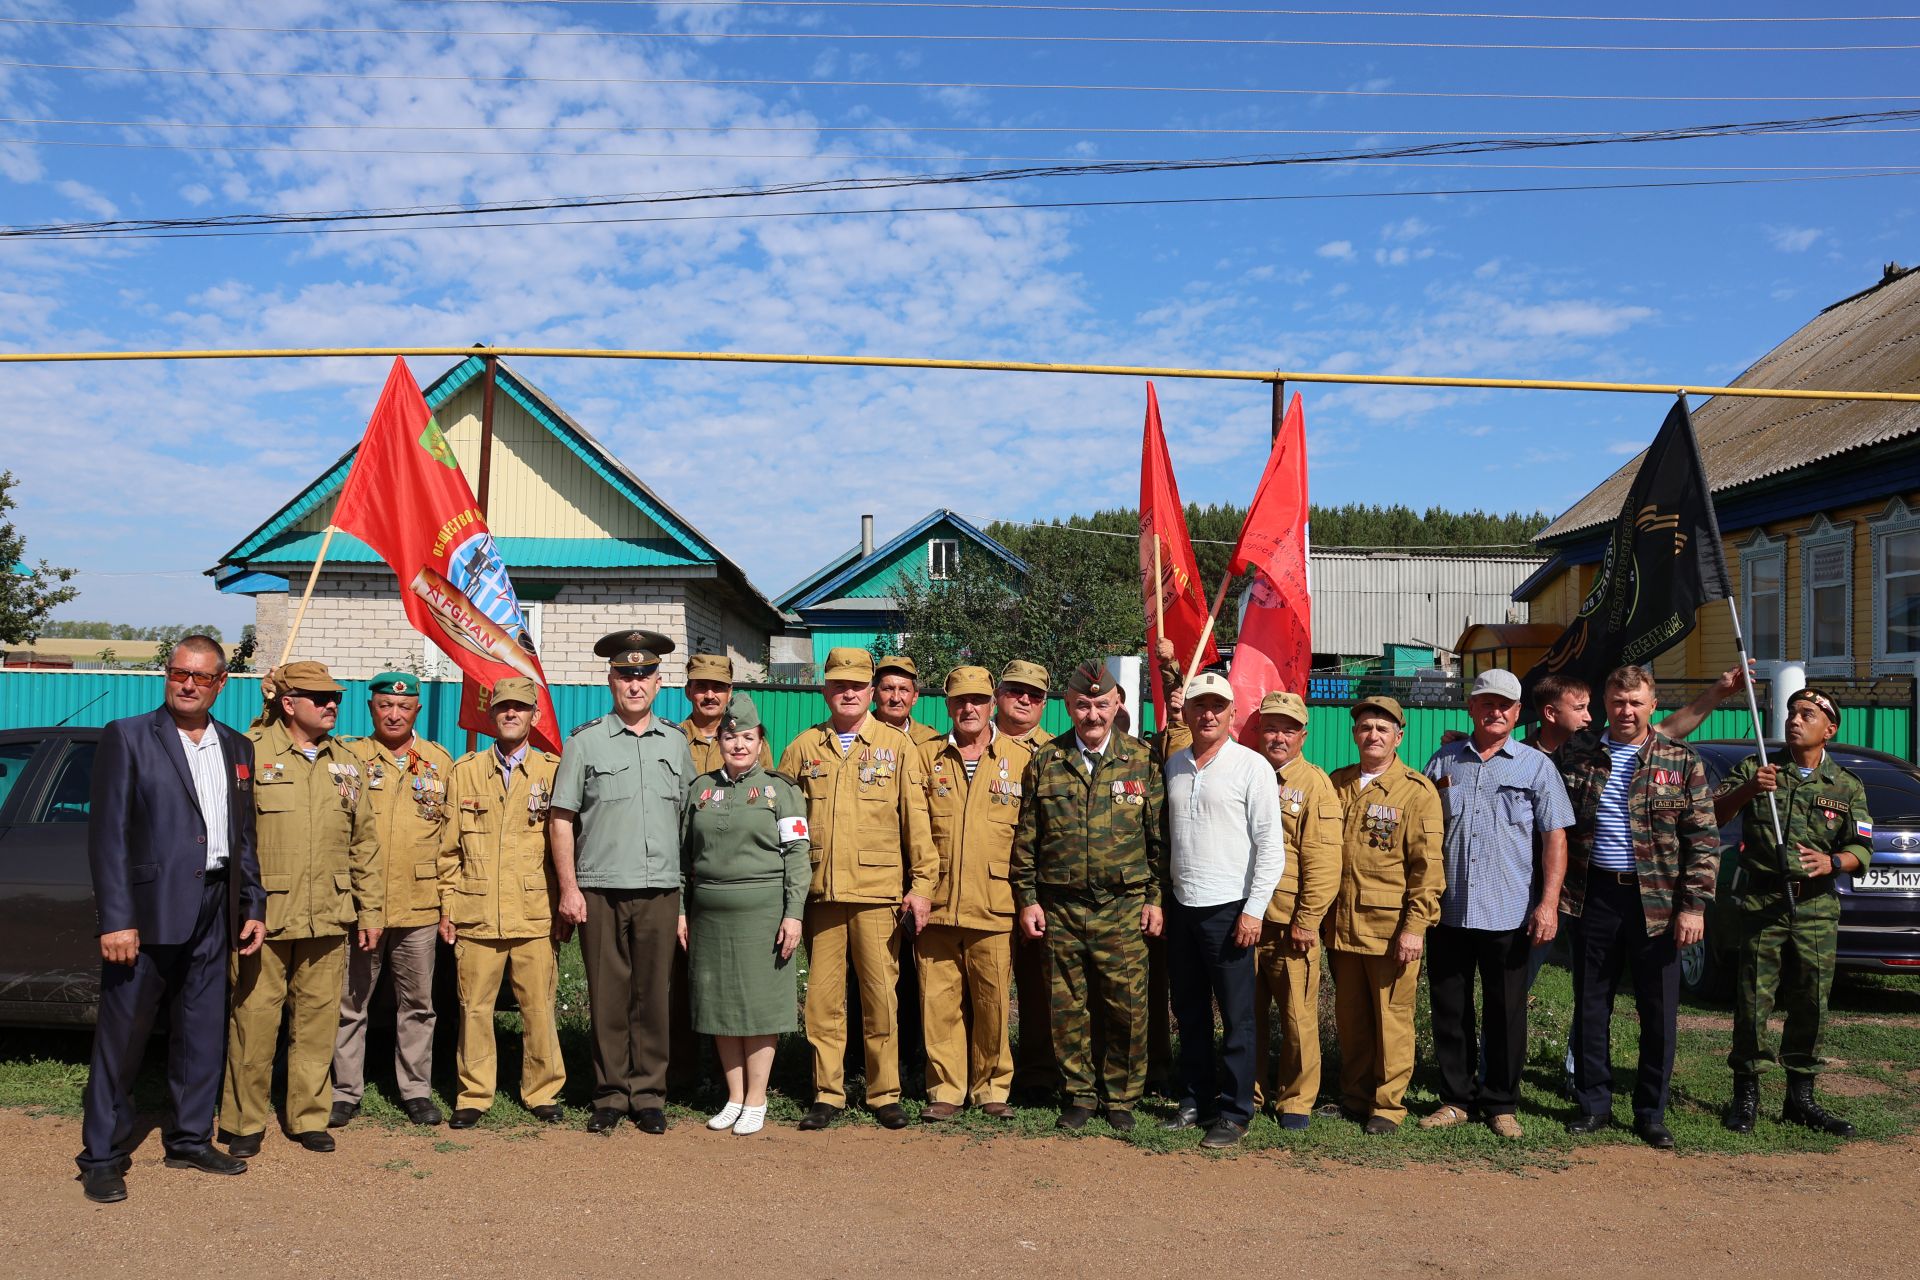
<point>1163,522</point>
<point>406,498</point>
<point>1274,649</point>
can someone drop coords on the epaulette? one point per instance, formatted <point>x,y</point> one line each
<point>548,755</point>
<point>587,725</point>
<point>471,755</point>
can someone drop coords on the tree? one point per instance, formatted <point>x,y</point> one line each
<point>27,595</point>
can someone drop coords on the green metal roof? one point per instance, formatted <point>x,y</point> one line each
<point>518,553</point>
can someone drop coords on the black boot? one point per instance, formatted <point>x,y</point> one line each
<point>1745,1107</point>
<point>1801,1109</point>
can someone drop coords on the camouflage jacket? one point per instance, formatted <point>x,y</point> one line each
<point>1105,834</point>
<point>1670,809</point>
<point>1827,810</point>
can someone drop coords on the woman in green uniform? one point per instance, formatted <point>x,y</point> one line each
<point>744,869</point>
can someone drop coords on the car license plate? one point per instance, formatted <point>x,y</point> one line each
<point>1887,880</point>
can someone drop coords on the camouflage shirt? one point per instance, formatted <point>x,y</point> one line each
<point>1102,834</point>
<point>1676,844</point>
<point>1826,810</point>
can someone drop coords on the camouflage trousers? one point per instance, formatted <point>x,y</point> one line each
<point>1099,988</point>
<point>1784,963</point>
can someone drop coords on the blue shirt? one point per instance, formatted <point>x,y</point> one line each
<point>1496,808</point>
<point>1613,823</point>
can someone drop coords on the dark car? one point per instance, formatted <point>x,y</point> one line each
<point>1879,907</point>
<point>49,943</point>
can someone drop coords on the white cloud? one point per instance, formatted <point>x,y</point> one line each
<point>1342,250</point>
<point>1569,319</point>
<point>1793,239</point>
<point>1625,448</point>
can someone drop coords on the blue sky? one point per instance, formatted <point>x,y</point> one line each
<point>141,475</point>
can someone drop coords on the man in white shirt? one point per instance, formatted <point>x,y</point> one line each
<point>1227,856</point>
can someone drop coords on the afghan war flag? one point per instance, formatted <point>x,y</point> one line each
<point>1274,650</point>
<point>1175,595</point>
<point>407,499</point>
<point>1664,560</point>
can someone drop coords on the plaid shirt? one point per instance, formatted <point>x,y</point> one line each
<point>1676,846</point>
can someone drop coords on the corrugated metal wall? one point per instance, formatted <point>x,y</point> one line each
<point>1363,602</point>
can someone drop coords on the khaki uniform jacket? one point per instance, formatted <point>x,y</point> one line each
<point>866,814</point>
<point>409,812</point>
<point>1311,820</point>
<point>496,881</point>
<point>1391,874</point>
<point>1033,739</point>
<point>319,849</point>
<point>706,751</point>
<point>922,734</point>
<point>974,825</point>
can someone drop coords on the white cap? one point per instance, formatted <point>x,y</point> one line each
<point>1209,682</point>
<point>1499,683</point>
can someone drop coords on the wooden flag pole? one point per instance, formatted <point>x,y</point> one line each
<point>1159,599</point>
<point>1760,742</point>
<point>300,614</point>
<point>1206,632</point>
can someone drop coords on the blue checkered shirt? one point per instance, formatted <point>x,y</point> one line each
<point>1496,809</point>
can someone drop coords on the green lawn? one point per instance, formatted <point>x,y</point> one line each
<point>1874,1029</point>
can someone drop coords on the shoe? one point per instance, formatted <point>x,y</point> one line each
<point>998,1110</point>
<point>1120,1120</point>
<point>650,1120</point>
<point>1654,1134</point>
<point>103,1186</point>
<point>1506,1126</point>
<point>1293,1120</point>
<point>1224,1133</point>
<point>724,1117</point>
<point>319,1140</point>
<point>467,1117</point>
<point>1590,1122</point>
<point>1445,1118</point>
<point>421,1111</point>
<point>342,1114</point>
<point>751,1121</point>
<point>245,1145</point>
<point>935,1112</point>
<point>1744,1110</point>
<point>819,1116</point>
<point>891,1115</point>
<point>604,1120</point>
<point>546,1113</point>
<point>1380,1126</point>
<point>206,1160</point>
<point>1183,1118</point>
<point>1074,1118</point>
<point>1802,1110</point>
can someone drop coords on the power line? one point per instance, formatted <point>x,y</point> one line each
<point>1054,527</point>
<point>1183,10</point>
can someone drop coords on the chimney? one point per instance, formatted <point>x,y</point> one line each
<point>866,536</point>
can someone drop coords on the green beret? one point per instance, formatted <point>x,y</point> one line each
<point>399,683</point>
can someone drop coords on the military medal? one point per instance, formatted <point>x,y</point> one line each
<point>376,774</point>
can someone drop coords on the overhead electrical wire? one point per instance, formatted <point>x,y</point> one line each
<point>1187,10</point>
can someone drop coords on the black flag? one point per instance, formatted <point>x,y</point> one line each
<point>1664,560</point>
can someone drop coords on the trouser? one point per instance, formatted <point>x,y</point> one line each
<point>481,963</point>
<point>1205,968</point>
<point>405,954</point>
<point>1294,982</point>
<point>863,937</point>
<point>627,944</point>
<point>303,978</point>
<point>1034,1066</point>
<point>686,1048</point>
<point>1613,934</point>
<point>909,1034</point>
<point>1497,959</point>
<point>1159,1014</point>
<point>1373,998</point>
<point>1785,962</point>
<point>964,997</point>
<point>1099,1013</point>
<point>191,978</point>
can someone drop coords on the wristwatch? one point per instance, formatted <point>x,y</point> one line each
<point>1833,861</point>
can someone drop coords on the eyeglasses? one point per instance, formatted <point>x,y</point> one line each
<point>196,679</point>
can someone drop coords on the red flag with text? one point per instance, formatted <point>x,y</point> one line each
<point>406,498</point>
<point>1274,650</point>
<point>1163,524</point>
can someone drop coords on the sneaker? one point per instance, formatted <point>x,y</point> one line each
<point>725,1116</point>
<point>752,1120</point>
<point>1506,1126</point>
<point>1445,1118</point>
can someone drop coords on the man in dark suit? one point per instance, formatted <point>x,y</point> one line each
<point>176,885</point>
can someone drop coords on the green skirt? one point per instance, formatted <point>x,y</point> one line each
<point>741,986</point>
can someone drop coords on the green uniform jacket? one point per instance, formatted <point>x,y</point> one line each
<point>496,880</point>
<point>1676,845</point>
<point>319,850</point>
<point>409,813</point>
<point>1105,834</point>
<point>1827,810</point>
<point>751,830</point>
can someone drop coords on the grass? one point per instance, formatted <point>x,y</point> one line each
<point>1873,1027</point>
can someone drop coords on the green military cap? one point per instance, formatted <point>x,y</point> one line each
<point>1828,707</point>
<point>516,689</point>
<point>717,667</point>
<point>849,664</point>
<point>1386,706</point>
<point>1092,678</point>
<point>962,681</point>
<point>399,683</point>
<point>634,647</point>
<point>1284,704</point>
<point>306,677</point>
<point>897,662</point>
<point>1031,674</point>
<point>740,714</point>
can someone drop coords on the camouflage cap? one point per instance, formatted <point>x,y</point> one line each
<point>900,663</point>
<point>399,683</point>
<point>1384,705</point>
<point>1030,674</point>
<point>965,681</point>
<point>633,647</point>
<point>306,677</point>
<point>849,664</point>
<point>516,689</point>
<point>717,667</point>
<point>1284,704</point>
<point>1826,704</point>
<point>1092,678</point>
<point>740,714</point>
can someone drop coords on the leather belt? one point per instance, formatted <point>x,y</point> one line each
<point>1616,877</point>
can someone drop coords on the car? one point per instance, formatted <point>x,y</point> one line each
<point>1879,907</point>
<point>49,940</point>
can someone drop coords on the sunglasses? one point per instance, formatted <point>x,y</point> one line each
<point>1024,695</point>
<point>318,699</point>
<point>194,679</point>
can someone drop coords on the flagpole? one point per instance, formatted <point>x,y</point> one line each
<point>300,614</point>
<point>485,478</point>
<point>1759,739</point>
<point>1206,632</point>
<point>1159,597</point>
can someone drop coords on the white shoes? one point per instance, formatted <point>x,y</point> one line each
<point>752,1120</point>
<point>726,1116</point>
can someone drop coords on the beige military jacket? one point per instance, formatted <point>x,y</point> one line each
<point>1391,872</point>
<point>866,814</point>
<point>1033,739</point>
<point>1311,823</point>
<point>319,847</point>
<point>409,811</point>
<point>496,880</point>
<point>920,734</point>
<point>706,750</point>
<point>974,825</point>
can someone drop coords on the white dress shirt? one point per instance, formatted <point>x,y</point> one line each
<point>1225,819</point>
<point>208,765</point>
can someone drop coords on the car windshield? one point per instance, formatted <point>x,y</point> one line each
<point>1893,790</point>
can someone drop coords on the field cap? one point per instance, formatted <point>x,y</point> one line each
<point>900,663</point>
<point>1498,682</point>
<point>1093,679</point>
<point>1384,705</point>
<point>849,664</point>
<point>1818,699</point>
<point>306,677</point>
<point>741,714</point>
<point>962,681</point>
<point>1030,674</point>
<point>1209,682</point>
<point>399,683</point>
<point>634,647</point>
<point>516,689</point>
<point>717,667</point>
<point>1284,704</point>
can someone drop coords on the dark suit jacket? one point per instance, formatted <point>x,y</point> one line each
<point>147,840</point>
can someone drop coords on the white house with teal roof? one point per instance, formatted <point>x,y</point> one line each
<point>590,548</point>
